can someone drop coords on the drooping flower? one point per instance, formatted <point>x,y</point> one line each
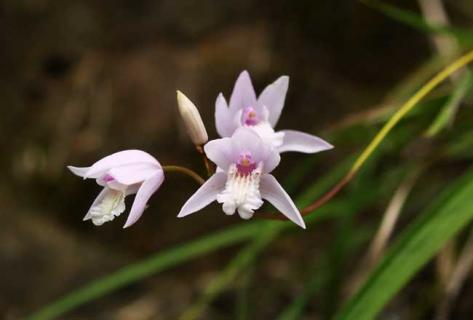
<point>242,180</point>
<point>121,174</point>
<point>262,114</point>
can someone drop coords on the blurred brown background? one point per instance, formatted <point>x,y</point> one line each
<point>82,79</point>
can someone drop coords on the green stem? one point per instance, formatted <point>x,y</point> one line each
<point>185,171</point>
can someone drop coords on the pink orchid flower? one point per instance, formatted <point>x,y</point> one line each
<point>243,178</point>
<point>121,174</point>
<point>261,114</point>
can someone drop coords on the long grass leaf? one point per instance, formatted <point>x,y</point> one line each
<point>451,212</point>
<point>154,264</point>
<point>464,36</point>
<point>445,116</point>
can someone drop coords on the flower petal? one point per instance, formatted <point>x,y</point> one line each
<point>79,171</point>
<point>134,173</point>
<point>248,140</point>
<point>121,158</point>
<point>243,94</point>
<point>272,161</point>
<point>220,152</point>
<point>224,118</point>
<point>272,191</point>
<point>204,195</point>
<point>273,97</point>
<point>148,187</point>
<point>99,198</point>
<point>302,142</point>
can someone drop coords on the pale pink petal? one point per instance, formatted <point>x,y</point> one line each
<point>148,187</point>
<point>243,94</point>
<point>204,195</point>
<point>115,185</point>
<point>78,171</point>
<point>117,159</point>
<point>273,97</point>
<point>247,140</point>
<point>224,118</point>
<point>99,198</point>
<point>134,173</point>
<point>302,142</point>
<point>272,191</point>
<point>272,161</point>
<point>220,152</point>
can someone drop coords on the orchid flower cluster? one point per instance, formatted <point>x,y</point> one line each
<point>247,152</point>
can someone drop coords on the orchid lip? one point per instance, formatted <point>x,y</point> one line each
<point>245,164</point>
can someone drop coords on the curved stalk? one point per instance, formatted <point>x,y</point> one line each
<point>207,164</point>
<point>185,171</point>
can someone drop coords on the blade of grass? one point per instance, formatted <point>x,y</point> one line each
<point>244,306</point>
<point>326,271</point>
<point>434,12</point>
<point>243,259</point>
<point>392,122</point>
<point>321,277</point>
<point>154,264</point>
<point>411,103</point>
<point>446,47</point>
<point>446,216</point>
<point>464,36</point>
<point>445,116</point>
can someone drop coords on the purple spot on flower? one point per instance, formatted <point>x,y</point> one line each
<point>250,116</point>
<point>245,164</point>
<point>108,178</point>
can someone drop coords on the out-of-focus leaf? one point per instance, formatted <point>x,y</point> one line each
<point>451,211</point>
<point>407,107</point>
<point>154,264</point>
<point>462,146</point>
<point>465,84</point>
<point>241,260</point>
<point>464,36</point>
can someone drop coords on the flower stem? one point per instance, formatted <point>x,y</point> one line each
<point>207,164</point>
<point>185,171</point>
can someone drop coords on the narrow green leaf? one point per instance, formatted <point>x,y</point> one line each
<point>450,212</point>
<point>465,83</point>
<point>241,261</point>
<point>154,264</point>
<point>464,36</point>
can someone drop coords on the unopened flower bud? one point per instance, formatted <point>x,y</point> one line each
<point>192,120</point>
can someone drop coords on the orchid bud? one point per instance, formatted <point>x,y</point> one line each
<point>192,120</point>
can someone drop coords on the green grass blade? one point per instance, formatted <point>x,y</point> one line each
<point>464,36</point>
<point>156,263</point>
<point>416,246</point>
<point>242,260</point>
<point>465,83</point>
